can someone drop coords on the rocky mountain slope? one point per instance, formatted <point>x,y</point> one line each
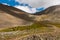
<point>10,16</point>
<point>52,13</point>
<point>44,25</point>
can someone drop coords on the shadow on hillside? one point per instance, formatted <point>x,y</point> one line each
<point>23,15</point>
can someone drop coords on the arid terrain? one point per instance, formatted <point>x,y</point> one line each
<point>16,24</point>
<point>10,16</point>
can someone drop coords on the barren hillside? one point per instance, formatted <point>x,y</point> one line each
<point>10,16</point>
<point>19,25</point>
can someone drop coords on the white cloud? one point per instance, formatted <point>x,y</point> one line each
<point>26,9</point>
<point>5,4</point>
<point>40,3</point>
<point>36,4</point>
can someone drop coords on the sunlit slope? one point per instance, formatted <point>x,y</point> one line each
<point>19,25</point>
<point>10,16</point>
<point>47,18</point>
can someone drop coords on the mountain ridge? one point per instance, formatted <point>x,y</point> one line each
<point>10,14</point>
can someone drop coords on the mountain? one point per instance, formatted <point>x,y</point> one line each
<point>44,25</point>
<point>10,16</point>
<point>49,17</point>
<point>13,16</point>
<point>51,14</point>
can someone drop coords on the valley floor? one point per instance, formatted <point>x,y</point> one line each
<point>31,33</point>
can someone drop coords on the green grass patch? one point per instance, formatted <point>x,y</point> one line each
<point>38,25</point>
<point>21,28</point>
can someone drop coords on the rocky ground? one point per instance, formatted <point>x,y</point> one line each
<point>31,35</point>
<point>12,17</point>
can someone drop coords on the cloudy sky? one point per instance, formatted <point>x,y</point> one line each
<point>40,3</point>
<point>31,6</point>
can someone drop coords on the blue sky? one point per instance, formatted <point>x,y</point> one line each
<point>32,5</point>
<point>10,2</point>
<point>13,3</point>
